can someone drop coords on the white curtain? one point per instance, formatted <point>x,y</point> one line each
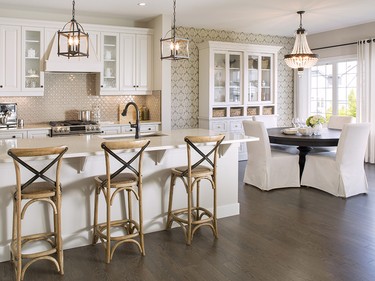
<point>366,91</point>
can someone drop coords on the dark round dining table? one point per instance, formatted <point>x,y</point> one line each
<point>328,137</point>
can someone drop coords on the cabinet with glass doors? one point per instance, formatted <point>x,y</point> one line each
<point>236,82</point>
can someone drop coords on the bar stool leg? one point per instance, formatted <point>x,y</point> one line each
<point>170,203</point>
<point>108,222</point>
<point>188,232</point>
<point>95,235</point>
<point>140,210</point>
<point>60,255</point>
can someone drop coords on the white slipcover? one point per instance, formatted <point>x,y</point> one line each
<point>338,121</point>
<point>268,169</point>
<point>342,173</point>
<point>270,121</point>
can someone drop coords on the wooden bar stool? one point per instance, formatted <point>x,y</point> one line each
<point>111,184</point>
<point>193,217</point>
<point>48,191</point>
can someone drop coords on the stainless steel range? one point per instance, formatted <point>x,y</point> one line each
<point>74,127</point>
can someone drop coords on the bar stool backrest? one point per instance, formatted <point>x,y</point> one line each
<point>209,158</point>
<point>138,146</point>
<point>20,155</point>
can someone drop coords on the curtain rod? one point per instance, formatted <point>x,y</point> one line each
<point>334,46</point>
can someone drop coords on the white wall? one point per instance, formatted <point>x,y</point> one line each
<point>340,36</point>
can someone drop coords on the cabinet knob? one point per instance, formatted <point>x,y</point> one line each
<point>41,86</point>
<point>101,86</point>
<point>1,86</point>
<point>149,129</point>
<point>13,137</point>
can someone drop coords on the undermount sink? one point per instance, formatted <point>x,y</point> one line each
<point>130,136</point>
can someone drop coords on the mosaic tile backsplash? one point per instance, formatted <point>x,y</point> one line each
<point>185,75</point>
<point>66,94</point>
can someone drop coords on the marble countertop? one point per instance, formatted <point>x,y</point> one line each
<point>89,145</point>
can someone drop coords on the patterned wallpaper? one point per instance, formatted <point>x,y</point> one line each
<point>185,80</point>
<point>66,94</point>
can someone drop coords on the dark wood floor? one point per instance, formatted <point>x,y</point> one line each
<point>290,234</point>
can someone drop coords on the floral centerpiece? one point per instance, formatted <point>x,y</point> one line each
<point>316,121</point>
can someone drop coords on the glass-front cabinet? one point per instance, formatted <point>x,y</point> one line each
<point>227,78</point>
<point>32,59</point>
<point>260,80</point>
<point>236,82</point>
<point>110,54</point>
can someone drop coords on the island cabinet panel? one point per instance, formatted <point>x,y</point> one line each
<point>236,82</point>
<point>85,159</point>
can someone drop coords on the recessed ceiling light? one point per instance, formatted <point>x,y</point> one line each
<point>142,4</point>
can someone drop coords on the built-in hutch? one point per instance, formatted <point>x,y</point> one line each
<point>236,82</point>
<point>124,56</point>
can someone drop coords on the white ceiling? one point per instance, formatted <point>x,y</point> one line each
<point>275,17</point>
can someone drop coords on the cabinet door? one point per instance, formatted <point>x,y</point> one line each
<point>110,58</point>
<point>144,62</point>
<point>228,78</point>
<point>128,62</point>
<point>32,62</point>
<point>260,86</point>
<point>10,58</point>
<point>136,63</point>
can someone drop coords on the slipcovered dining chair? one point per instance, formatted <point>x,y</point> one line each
<point>342,173</point>
<point>270,121</point>
<point>337,121</point>
<point>268,169</point>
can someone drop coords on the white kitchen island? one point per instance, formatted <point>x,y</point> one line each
<point>85,159</point>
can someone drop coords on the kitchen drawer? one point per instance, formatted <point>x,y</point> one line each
<point>219,126</point>
<point>236,126</point>
<point>149,128</point>
<point>38,134</point>
<point>12,135</point>
<point>111,130</point>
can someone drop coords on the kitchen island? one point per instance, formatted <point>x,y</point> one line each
<point>85,159</point>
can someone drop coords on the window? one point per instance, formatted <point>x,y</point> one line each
<point>333,88</point>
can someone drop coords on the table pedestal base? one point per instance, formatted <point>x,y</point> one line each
<point>303,150</point>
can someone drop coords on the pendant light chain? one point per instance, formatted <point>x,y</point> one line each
<point>73,10</point>
<point>174,19</point>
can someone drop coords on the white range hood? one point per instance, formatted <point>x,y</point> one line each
<point>55,63</point>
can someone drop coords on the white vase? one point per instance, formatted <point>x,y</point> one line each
<point>317,129</point>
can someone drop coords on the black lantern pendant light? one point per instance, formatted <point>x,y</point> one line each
<point>73,41</point>
<point>301,56</point>
<point>174,48</point>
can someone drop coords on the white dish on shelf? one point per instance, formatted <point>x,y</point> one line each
<point>290,131</point>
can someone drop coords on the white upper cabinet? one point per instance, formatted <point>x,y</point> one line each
<point>10,59</point>
<point>110,58</point>
<point>32,60</point>
<point>136,63</point>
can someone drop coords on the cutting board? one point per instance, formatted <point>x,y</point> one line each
<point>130,117</point>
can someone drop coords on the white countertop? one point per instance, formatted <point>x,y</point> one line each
<point>89,145</point>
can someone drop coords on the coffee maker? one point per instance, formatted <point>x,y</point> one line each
<point>8,115</point>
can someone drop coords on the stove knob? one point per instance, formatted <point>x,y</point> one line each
<point>66,130</point>
<point>60,130</point>
<point>55,130</point>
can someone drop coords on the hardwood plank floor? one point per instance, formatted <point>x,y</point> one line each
<point>291,234</point>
